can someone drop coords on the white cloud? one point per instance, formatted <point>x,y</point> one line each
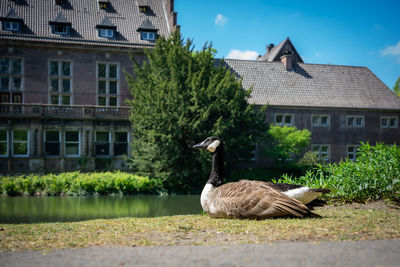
<point>392,50</point>
<point>220,20</point>
<point>247,55</point>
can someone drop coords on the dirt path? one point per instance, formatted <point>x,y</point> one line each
<point>362,253</point>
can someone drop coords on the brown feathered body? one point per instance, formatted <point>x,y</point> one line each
<point>250,199</point>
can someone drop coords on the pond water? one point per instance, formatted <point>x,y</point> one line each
<point>67,209</point>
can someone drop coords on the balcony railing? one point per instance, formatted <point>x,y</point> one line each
<point>63,112</point>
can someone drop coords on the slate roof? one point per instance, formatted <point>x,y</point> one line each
<point>314,85</point>
<point>106,22</point>
<point>11,15</point>
<point>60,19</point>
<point>84,16</point>
<point>147,25</point>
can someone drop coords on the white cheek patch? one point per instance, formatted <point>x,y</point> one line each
<point>213,146</point>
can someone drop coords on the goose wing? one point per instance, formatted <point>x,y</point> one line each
<point>253,199</point>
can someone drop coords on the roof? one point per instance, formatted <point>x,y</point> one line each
<point>276,52</point>
<point>84,16</point>
<point>147,26</point>
<point>314,85</point>
<point>11,15</point>
<point>60,19</point>
<point>106,23</point>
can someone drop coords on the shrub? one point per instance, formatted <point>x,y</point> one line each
<point>76,183</point>
<point>374,175</point>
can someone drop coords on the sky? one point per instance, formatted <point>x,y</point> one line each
<point>352,32</point>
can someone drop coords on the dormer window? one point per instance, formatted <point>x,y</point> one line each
<point>60,25</point>
<point>103,4</point>
<point>61,29</point>
<point>147,31</point>
<point>143,9</point>
<point>59,2</point>
<point>106,33</point>
<point>11,26</point>
<point>106,28</point>
<point>149,36</point>
<point>11,21</point>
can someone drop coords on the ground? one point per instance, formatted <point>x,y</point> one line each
<point>374,221</point>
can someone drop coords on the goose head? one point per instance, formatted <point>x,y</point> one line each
<point>211,144</point>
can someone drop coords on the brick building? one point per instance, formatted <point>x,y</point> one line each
<point>341,105</point>
<point>62,82</point>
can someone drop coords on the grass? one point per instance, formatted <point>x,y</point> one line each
<point>338,223</point>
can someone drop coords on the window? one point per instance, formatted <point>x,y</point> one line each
<point>320,120</point>
<point>352,152</point>
<point>62,29</point>
<point>20,143</point>
<point>52,143</point>
<point>149,36</point>
<point>72,143</point>
<point>60,80</point>
<point>284,119</point>
<point>389,122</point>
<point>102,144</point>
<point>11,25</point>
<point>103,4</point>
<point>3,143</point>
<point>355,121</point>
<point>142,9</point>
<point>321,151</point>
<point>106,33</point>
<point>107,84</point>
<point>11,74</point>
<point>121,143</point>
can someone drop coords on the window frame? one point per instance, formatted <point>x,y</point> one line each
<point>11,24</point>
<point>319,123</point>
<point>353,153</point>
<point>5,142</point>
<point>103,30</point>
<point>319,156</point>
<point>20,142</point>
<point>72,142</point>
<point>96,143</point>
<point>145,36</point>
<point>107,79</point>
<point>388,118</point>
<point>283,123</point>
<point>12,77</point>
<point>60,77</point>
<point>117,143</point>
<point>66,29</point>
<point>355,117</point>
<point>47,142</point>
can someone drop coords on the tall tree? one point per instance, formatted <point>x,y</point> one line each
<point>396,88</point>
<point>181,96</point>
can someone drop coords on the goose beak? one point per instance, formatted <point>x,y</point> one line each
<point>200,146</point>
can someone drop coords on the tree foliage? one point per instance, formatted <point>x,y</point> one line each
<point>180,97</point>
<point>396,88</point>
<point>287,142</point>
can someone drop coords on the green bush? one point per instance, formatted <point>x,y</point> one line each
<point>375,174</point>
<point>76,183</point>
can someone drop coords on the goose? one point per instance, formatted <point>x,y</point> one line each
<point>252,199</point>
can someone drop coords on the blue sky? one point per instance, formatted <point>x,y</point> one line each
<point>357,33</point>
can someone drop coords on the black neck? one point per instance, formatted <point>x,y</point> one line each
<point>217,170</point>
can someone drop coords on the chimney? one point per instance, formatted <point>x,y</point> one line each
<point>287,60</point>
<point>269,47</point>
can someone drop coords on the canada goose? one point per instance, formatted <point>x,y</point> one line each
<point>252,199</point>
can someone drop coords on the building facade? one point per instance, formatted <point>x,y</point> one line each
<point>63,88</point>
<point>342,106</point>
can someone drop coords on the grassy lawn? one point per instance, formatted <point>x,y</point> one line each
<point>347,222</point>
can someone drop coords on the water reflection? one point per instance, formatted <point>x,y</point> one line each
<point>64,209</point>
